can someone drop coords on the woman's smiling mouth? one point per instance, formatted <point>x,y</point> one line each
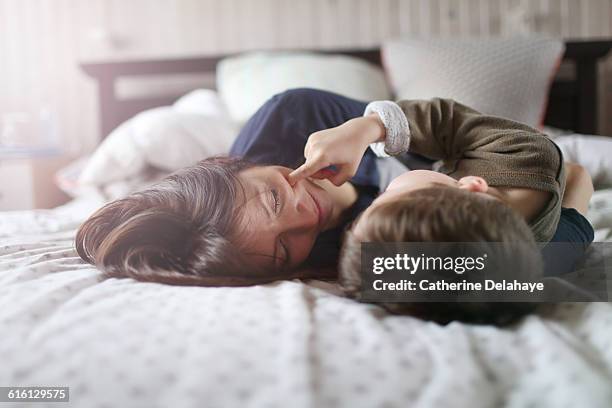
<point>322,212</point>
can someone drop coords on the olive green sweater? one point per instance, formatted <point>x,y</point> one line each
<point>503,152</point>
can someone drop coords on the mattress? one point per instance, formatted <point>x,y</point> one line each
<point>120,343</point>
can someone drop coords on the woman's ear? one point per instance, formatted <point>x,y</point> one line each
<point>474,184</point>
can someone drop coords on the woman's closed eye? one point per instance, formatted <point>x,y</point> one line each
<point>276,200</point>
<point>281,252</point>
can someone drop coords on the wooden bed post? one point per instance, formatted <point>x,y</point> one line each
<point>586,55</point>
<point>586,112</point>
<point>107,93</point>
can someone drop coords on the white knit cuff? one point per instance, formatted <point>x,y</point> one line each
<point>397,139</point>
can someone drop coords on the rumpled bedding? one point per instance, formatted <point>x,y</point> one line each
<point>120,343</point>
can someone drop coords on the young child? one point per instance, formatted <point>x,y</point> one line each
<point>499,181</point>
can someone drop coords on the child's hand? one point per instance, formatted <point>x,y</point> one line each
<point>341,147</point>
<point>578,188</point>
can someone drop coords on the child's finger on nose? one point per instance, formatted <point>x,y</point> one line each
<point>298,174</point>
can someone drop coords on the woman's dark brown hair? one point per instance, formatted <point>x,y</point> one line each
<point>176,231</point>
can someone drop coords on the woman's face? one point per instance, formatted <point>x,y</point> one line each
<point>279,222</point>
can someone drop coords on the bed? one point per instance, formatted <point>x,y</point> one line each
<point>119,343</point>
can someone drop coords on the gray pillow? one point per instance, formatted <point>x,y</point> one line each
<point>508,77</point>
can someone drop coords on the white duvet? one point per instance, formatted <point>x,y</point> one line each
<point>121,343</point>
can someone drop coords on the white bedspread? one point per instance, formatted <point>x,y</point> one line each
<point>120,343</point>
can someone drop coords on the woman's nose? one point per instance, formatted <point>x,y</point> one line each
<point>302,205</point>
<point>300,196</point>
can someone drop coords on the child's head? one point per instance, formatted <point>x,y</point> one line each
<point>432,207</point>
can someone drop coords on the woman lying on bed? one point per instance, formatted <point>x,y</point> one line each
<point>239,221</point>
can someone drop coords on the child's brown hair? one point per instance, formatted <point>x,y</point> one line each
<point>444,214</point>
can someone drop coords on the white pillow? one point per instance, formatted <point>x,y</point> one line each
<point>204,102</point>
<point>247,81</point>
<point>591,152</point>
<point>167,138</point>
<point>508,77</point>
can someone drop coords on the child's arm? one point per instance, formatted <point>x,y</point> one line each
<point>507,154</point>
<point>578,188</point>
<point>473,143</point>
<point>439,129</point>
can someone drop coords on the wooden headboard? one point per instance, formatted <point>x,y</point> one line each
<point>572,101</point>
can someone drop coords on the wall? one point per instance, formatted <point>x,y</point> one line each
<point>42,41</point>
